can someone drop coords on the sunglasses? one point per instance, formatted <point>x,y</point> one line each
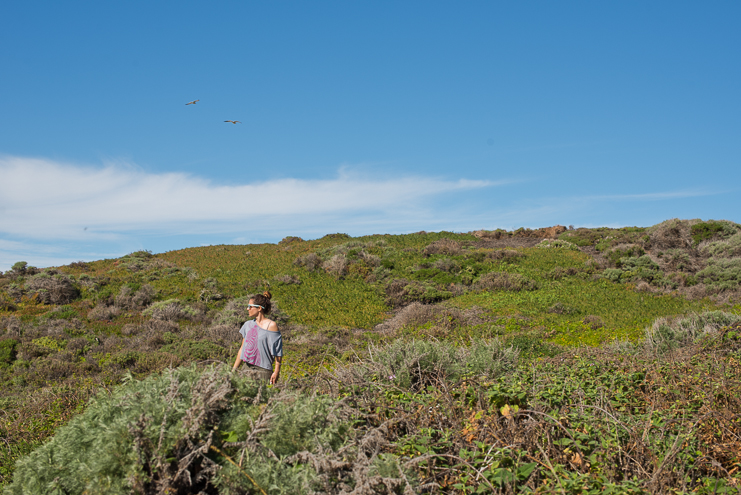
<point>254,306</point>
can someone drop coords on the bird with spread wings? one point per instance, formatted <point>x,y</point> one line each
<point>233,121</point>
<point>192,102</point>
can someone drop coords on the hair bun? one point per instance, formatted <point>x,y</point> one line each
<point>267,294</point>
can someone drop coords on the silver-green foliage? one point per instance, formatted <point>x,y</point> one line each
<point>234,313</point>
<point>666,334</point>
<point>169,433</point>
<point>419,363</point>
<point>632,269</point>
<point>722,273</point>
<point>171,309</point>
<point>95,453</point>
<point>557,243</point>
<point>725,248</point>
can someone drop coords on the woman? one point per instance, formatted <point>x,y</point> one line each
<point>262,343</point>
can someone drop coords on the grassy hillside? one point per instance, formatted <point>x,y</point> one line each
<point>534,299</point>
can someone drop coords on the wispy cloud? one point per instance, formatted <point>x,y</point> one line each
<point>43,199</point>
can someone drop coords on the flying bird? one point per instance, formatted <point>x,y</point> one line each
<point>192,102</point>
<point>233,121</point>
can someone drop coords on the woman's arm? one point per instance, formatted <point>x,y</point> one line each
<point>239,358</point>
<point>276,373</point>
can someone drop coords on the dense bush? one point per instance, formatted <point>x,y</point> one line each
<point>677,259</point>
<point>203,431</point>
<point>616,254</point>
<point>101,312</point>
<point>52,289</point>
<point>401,292</point>
<point>674,233</point>
<point>7,351</point>
<point>172,310</point>
<point>711,229</point>
<point>722,274</point>
<point>443,246</point>
<point>557,243</point>
<point>666,334</point>
<point>727,248</point>
<point>337,265</point>
<point>635,269</point>
<point>128,298</point>
<point>418,364</point>
<point>310,261</point>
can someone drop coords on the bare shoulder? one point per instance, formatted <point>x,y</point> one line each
<point>272,326</point>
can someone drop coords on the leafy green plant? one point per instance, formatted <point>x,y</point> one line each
<point>7,351</point>
<point>708,230</point>
<point>722,274</point>
<point>616,254</point>
<point>19,267</point>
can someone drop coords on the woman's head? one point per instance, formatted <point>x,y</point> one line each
<point>263,300</point>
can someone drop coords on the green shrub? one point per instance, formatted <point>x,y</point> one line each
<point>614,274</point>
<point>417,364</point>
<point>121,443</point>
<point>676,259</point>
<point>171,310</point>
<point>443,246</point>
<point>202,431</point>
<point>19,267</point>
<point>50,343</point>
<point>52,289</point>
<point>401,292</point>
<point>642,267</point>
<point>136,261</point>
<point>489,357</point>
<point>6,302</point>
<point>289,240</point>
<point>727,248</point>
<point>7,352</point>
<point>708,230</point>
<point>666,334</point>
<point>722,274</point>
<point>557,243</point>
<point>635,269</point>
<point>616,254</point>
<point>310,261</point>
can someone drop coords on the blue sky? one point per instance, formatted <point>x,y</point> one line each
<point>358,117</point>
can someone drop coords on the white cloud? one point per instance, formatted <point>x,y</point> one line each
<point>42,199</point>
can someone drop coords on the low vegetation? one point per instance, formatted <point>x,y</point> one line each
<point>542,360</point>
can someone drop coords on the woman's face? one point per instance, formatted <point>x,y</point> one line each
<point>252,311</point>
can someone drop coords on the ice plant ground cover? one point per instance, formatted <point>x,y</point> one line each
<point>554,359</point>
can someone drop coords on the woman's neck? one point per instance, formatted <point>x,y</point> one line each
<point>259,318</point>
